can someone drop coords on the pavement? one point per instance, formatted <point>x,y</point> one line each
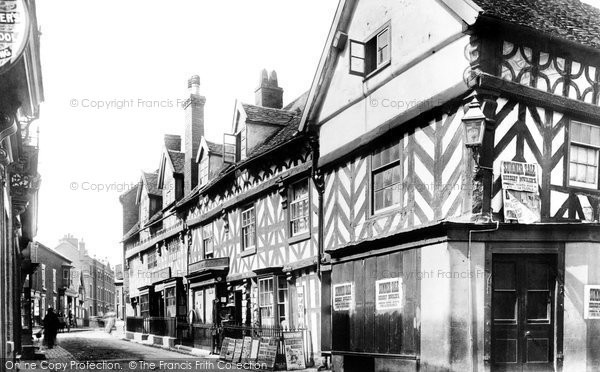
<point>96,350</point>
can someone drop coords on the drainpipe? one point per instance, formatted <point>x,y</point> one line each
<point>319,182</point>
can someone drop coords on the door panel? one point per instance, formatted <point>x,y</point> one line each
<point>523,312</point>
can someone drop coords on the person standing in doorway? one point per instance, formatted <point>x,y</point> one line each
<point>51,325</point>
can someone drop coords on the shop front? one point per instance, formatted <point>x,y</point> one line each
<point>206,296</point>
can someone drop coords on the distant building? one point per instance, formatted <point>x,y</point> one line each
<point>50,283</point>
<point>97,288</point>
<point>119,294</point>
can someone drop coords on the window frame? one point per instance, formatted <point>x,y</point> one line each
<point>248,249</point>
<point>154,262</point>
<point>275,304</point>
<point>208,226</point>
<point>290,218</point>
<point>382,168</point>
<point>370,45</point>
<point>579,184</point>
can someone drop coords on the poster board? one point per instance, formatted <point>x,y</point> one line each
<point>246,349</point>
<point>230,350</point>
<point>388,294</point>
<point>224,347</point>
<point>267,351</point>
<point>237,351</point>
<point>520,191</point>
<point>343,296</point>
<point>591,300</point>
<point>293,344</point>
<point>254,349</point>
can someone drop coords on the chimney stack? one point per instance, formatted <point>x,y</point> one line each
<point>173,142</point>
<point>194,131</point>
<point>268,93</point>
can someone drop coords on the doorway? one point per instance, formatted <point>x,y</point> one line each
<point>523,312</point>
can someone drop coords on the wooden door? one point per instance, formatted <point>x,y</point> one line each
<point>523,306</point>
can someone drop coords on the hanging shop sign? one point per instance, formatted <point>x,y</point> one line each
<point>592,302</point>
<point>343,297</point>
<point>388,294</point>
<point>14,31</point>
<point>294,350</point>
<point>520,191</point>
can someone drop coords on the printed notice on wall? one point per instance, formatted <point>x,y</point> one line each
<point>343,297</point>
<point>388,294</point>
<point>520,191</point>
<point>592,302</point>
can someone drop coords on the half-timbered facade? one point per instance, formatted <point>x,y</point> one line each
<point>253,223</point>
<point>459,152</point>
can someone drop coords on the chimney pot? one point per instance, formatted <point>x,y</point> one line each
<point>268,93</point>
<point>194,84</point>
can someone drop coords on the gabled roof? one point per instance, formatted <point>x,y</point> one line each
<point>267,115</point>
<point>213,148</point>
<point>177,160</point>
<point>134,230</point>
<point>40,245</point>
<point>566,19</point>
<point>151,182</point>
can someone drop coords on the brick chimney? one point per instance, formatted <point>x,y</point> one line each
<point>173,142</point>
<point>194,130</point>
<point>268,93</point>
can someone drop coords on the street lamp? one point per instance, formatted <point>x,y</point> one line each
<point>474,122</point>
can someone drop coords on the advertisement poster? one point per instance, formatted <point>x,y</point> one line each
<point>343,297</point>
<point>237,351</point>
<point>520,191</point>
<point>294,350</point>
<point>592,302</point>
<point>246,349</point>
<point>14,31</point>
<point>388,294</point>
<point>224,348</point>
<point>267,352</point>
<point>254,349</point>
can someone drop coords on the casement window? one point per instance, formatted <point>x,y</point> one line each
<point>152,263</point>
<point>248,228</point>
<point>43,276</point>
<point>386,177</point>
<point>207,240</point>
<point>273,301</point>
<point>204,169</point>
<point>298,209</point>
<point>584,155</point>
<point>230,144</point>
<point>242,144</point>
<point>371,55</point>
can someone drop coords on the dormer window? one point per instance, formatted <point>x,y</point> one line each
<point>230,149</point>
<point>371,55</point>
<point>204,169</point>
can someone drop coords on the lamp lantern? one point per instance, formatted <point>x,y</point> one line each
<point>474,123</point>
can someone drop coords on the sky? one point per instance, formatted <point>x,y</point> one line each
<point>134,58</point>
<point>115,73</point>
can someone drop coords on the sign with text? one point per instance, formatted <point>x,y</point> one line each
<point>520,191</point>
<point>254,349</point>
<point>343,297</point>
<point>294,350</point>
<point>14,31</point>
<point>267,351</point>
<point>237,350</point>
<point>591,302</point>
<point>246,350</point>
<point>388,294</point>
<point>224,348</point>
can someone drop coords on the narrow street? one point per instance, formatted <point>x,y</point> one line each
<point>95,350</point>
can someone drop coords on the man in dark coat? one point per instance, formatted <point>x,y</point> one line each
<point>51,325</point>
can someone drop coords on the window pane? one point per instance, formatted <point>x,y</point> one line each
<point>387,197</point>
<point>538,305</point>
<point>376,160</point>
<point>387,177</point>
<point>576,132</point>
<point>378,200</point>
<point>357,64</point>
<point>591,174</point>
<point>595,136</point>
<point>505,305</point>
<point>378,181</point>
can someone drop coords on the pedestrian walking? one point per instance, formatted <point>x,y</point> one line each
<point>51,325</point>
<point>109,320</point>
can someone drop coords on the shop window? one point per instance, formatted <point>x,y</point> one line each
<point>371,55</point>
<point>299,208</point>
<point>386,177</point>
<point>248,228</point>
<point>273,300</point>
<point>207,240</point>
<point>171,302</point>
<point>584,155</point>
<point>144,305</point>
<point>203,305</point>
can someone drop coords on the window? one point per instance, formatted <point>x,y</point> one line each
<point>204,169</point>
<point>265,301</point>
<point>584,155</point>
<point>207,240</point>
<point>65,274</point>
<point>43,276</point>
<point>386,177</point>
<point>273,300</point>
<point>229,148</point>
<point>152,260</point>
<point>371,55</point>
<point>54,280</point>
<point>248,228</point>
<point>242,144</point>
<point>299,208</point>
<point>171,303</point>
<point>144,306</point>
